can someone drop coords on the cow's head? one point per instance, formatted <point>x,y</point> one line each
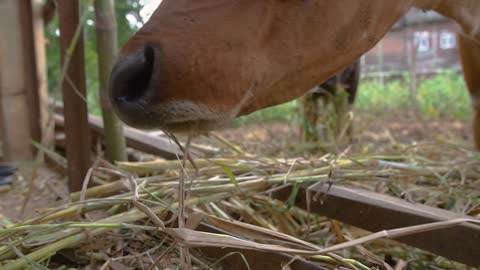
<point>198,63</point>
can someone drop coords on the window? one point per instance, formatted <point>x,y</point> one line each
<point>447,40</point>
<point>422,41</point>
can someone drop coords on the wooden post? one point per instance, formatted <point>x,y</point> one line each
<point>74,93</point>
<point>22,78</point>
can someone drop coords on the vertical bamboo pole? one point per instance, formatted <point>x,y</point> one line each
<point>74,93</point>
<point>107,48</point>
<point>45,115</point>
<point>35,63</point>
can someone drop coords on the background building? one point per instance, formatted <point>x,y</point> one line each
<point>421,42</point>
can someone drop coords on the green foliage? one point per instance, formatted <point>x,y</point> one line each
<point>377,97</point>
<point>283,112</point>
<point>443,96</point>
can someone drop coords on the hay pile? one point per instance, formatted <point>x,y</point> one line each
<point>134,218</point>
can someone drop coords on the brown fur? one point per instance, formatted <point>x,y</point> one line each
<point>470,55</point>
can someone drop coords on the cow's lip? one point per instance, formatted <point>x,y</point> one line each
<point>175,116</point>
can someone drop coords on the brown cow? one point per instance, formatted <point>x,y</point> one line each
<point>197,64</point>
<point>329,99</point>
<point>347,80</point>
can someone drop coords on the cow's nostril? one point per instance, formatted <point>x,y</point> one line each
<point>138,84</point>
<point>132,77</point>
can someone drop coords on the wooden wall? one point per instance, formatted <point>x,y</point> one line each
<point>23,88</point>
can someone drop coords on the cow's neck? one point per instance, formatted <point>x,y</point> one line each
<point>465,12</point>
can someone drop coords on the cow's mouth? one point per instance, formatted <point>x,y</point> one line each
<point>175,116</point>
<point>196,126</point>
<point>185,116</point>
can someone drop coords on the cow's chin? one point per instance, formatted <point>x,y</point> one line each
<point>178,116</point>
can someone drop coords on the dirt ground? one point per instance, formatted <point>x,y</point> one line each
<point>279,139</point>
<point>26,196</point>
<point>370,131</point>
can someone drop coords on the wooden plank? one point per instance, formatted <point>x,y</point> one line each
<point>256,259</point>
<point>15,80</point>
<point>142,141</point>
<point>375,212</point>
<point>136,139</point>
<point>74,93</point>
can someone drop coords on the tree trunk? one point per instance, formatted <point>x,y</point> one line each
<point>107,48</point>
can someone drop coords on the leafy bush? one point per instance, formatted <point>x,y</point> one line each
<point>442,96</point>
<point>283,112</point>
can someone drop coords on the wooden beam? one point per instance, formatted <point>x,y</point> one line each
<point>142,141</point>
<point>375,212</point>
<point>74,93</point>
<point>136,139</point>
<point>255,259</point>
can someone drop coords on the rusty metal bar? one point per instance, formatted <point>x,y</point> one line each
<point>375,212</point>
<point>74,94</point>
